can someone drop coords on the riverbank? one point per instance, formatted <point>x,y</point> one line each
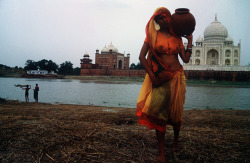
<point>214,83</point>
<point>39,132</point>
<point>106,78</point>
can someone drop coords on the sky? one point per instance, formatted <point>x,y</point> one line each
<point>64,30</point>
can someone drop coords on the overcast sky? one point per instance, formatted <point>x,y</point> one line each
<point>64,30</point>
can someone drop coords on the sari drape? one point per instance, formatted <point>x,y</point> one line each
<point>159,106</point>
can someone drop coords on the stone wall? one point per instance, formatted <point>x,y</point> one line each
<point>218,75</point>
<point>190,74</point>
<point>107,72</point>
<point>216,68</point>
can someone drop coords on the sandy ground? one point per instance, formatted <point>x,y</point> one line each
<point>37,132</point>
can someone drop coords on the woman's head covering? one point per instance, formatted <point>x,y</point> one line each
<point>150,28</point>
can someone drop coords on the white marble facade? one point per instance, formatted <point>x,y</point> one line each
<point>215,51</point>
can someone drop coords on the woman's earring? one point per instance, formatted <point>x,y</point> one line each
<point>157,26</point>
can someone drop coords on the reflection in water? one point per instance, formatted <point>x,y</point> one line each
<point>119,93</point>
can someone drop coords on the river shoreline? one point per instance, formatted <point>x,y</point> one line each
<point>141,79</point>
<point>39,132</point>
<point>213,83</point>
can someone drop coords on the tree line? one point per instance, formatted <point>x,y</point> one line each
<point>66,68</point>
<point>6,70</point>
<point>136,66</point>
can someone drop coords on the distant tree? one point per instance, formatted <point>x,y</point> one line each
<point>30,65</point>
<point>138,66</point>
<point>66,68</point>
<point>42,64</point>
<point>132,66</point>
<point>6,70</point>
<point>52,66</point>
<point>4,67</point>
<point>76,71</point>
<point>47,65</point>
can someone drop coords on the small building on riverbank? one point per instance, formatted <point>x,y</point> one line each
<point>109,58</point>
<point>108,62</point>
<point>37,72</point>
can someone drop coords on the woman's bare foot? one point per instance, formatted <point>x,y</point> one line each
<point>175,145</point>
<point>161,154</point>
<point>161,159</point>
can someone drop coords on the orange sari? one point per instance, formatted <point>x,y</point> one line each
<point>157,107</point>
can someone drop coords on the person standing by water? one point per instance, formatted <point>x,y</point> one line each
<point>36,93</point>
<point>26,92</point>
<point>162,95</point>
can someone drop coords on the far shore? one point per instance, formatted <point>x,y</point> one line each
<point>243,84</point>
<point>141,79</point>
<point>40,132</point>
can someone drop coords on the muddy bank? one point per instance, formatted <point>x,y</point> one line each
<point>40,132</point>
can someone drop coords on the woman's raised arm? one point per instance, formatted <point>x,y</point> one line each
<point>186,54</point>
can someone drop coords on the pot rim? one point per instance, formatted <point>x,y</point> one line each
<point>182,10</point>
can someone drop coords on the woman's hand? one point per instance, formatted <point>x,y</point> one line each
<point>155,82</point>
<point>190,41</point>
<point>189,37</point>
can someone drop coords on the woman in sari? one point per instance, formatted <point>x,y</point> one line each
<point>162,95</point>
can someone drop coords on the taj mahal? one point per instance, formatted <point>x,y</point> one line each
<point>215,51</point>
<point>214,56</point>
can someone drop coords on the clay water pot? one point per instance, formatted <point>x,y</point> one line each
<point>183,22</point>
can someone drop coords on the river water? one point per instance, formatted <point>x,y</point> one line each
<point>119,94</point>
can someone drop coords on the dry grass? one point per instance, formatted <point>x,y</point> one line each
<point>33,132</point>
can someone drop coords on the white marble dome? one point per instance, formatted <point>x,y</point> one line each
<point>229,39</point>
<point>105,50</point>
<point>215,31</point>
<point>199,39</point>
<point>86,55</point>
<point>109,47</point>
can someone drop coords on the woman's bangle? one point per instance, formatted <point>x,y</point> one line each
<point>189,48</point>
<point>190,51</point>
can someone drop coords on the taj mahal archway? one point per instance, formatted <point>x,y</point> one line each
<point>120,64</point>
<point>228,53</point>
<point>212,57</point>
<point>236,63</point>
<point>197,53</point>
<point>197,62</point>
<point>227,62</point>
<point>235,53</point>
